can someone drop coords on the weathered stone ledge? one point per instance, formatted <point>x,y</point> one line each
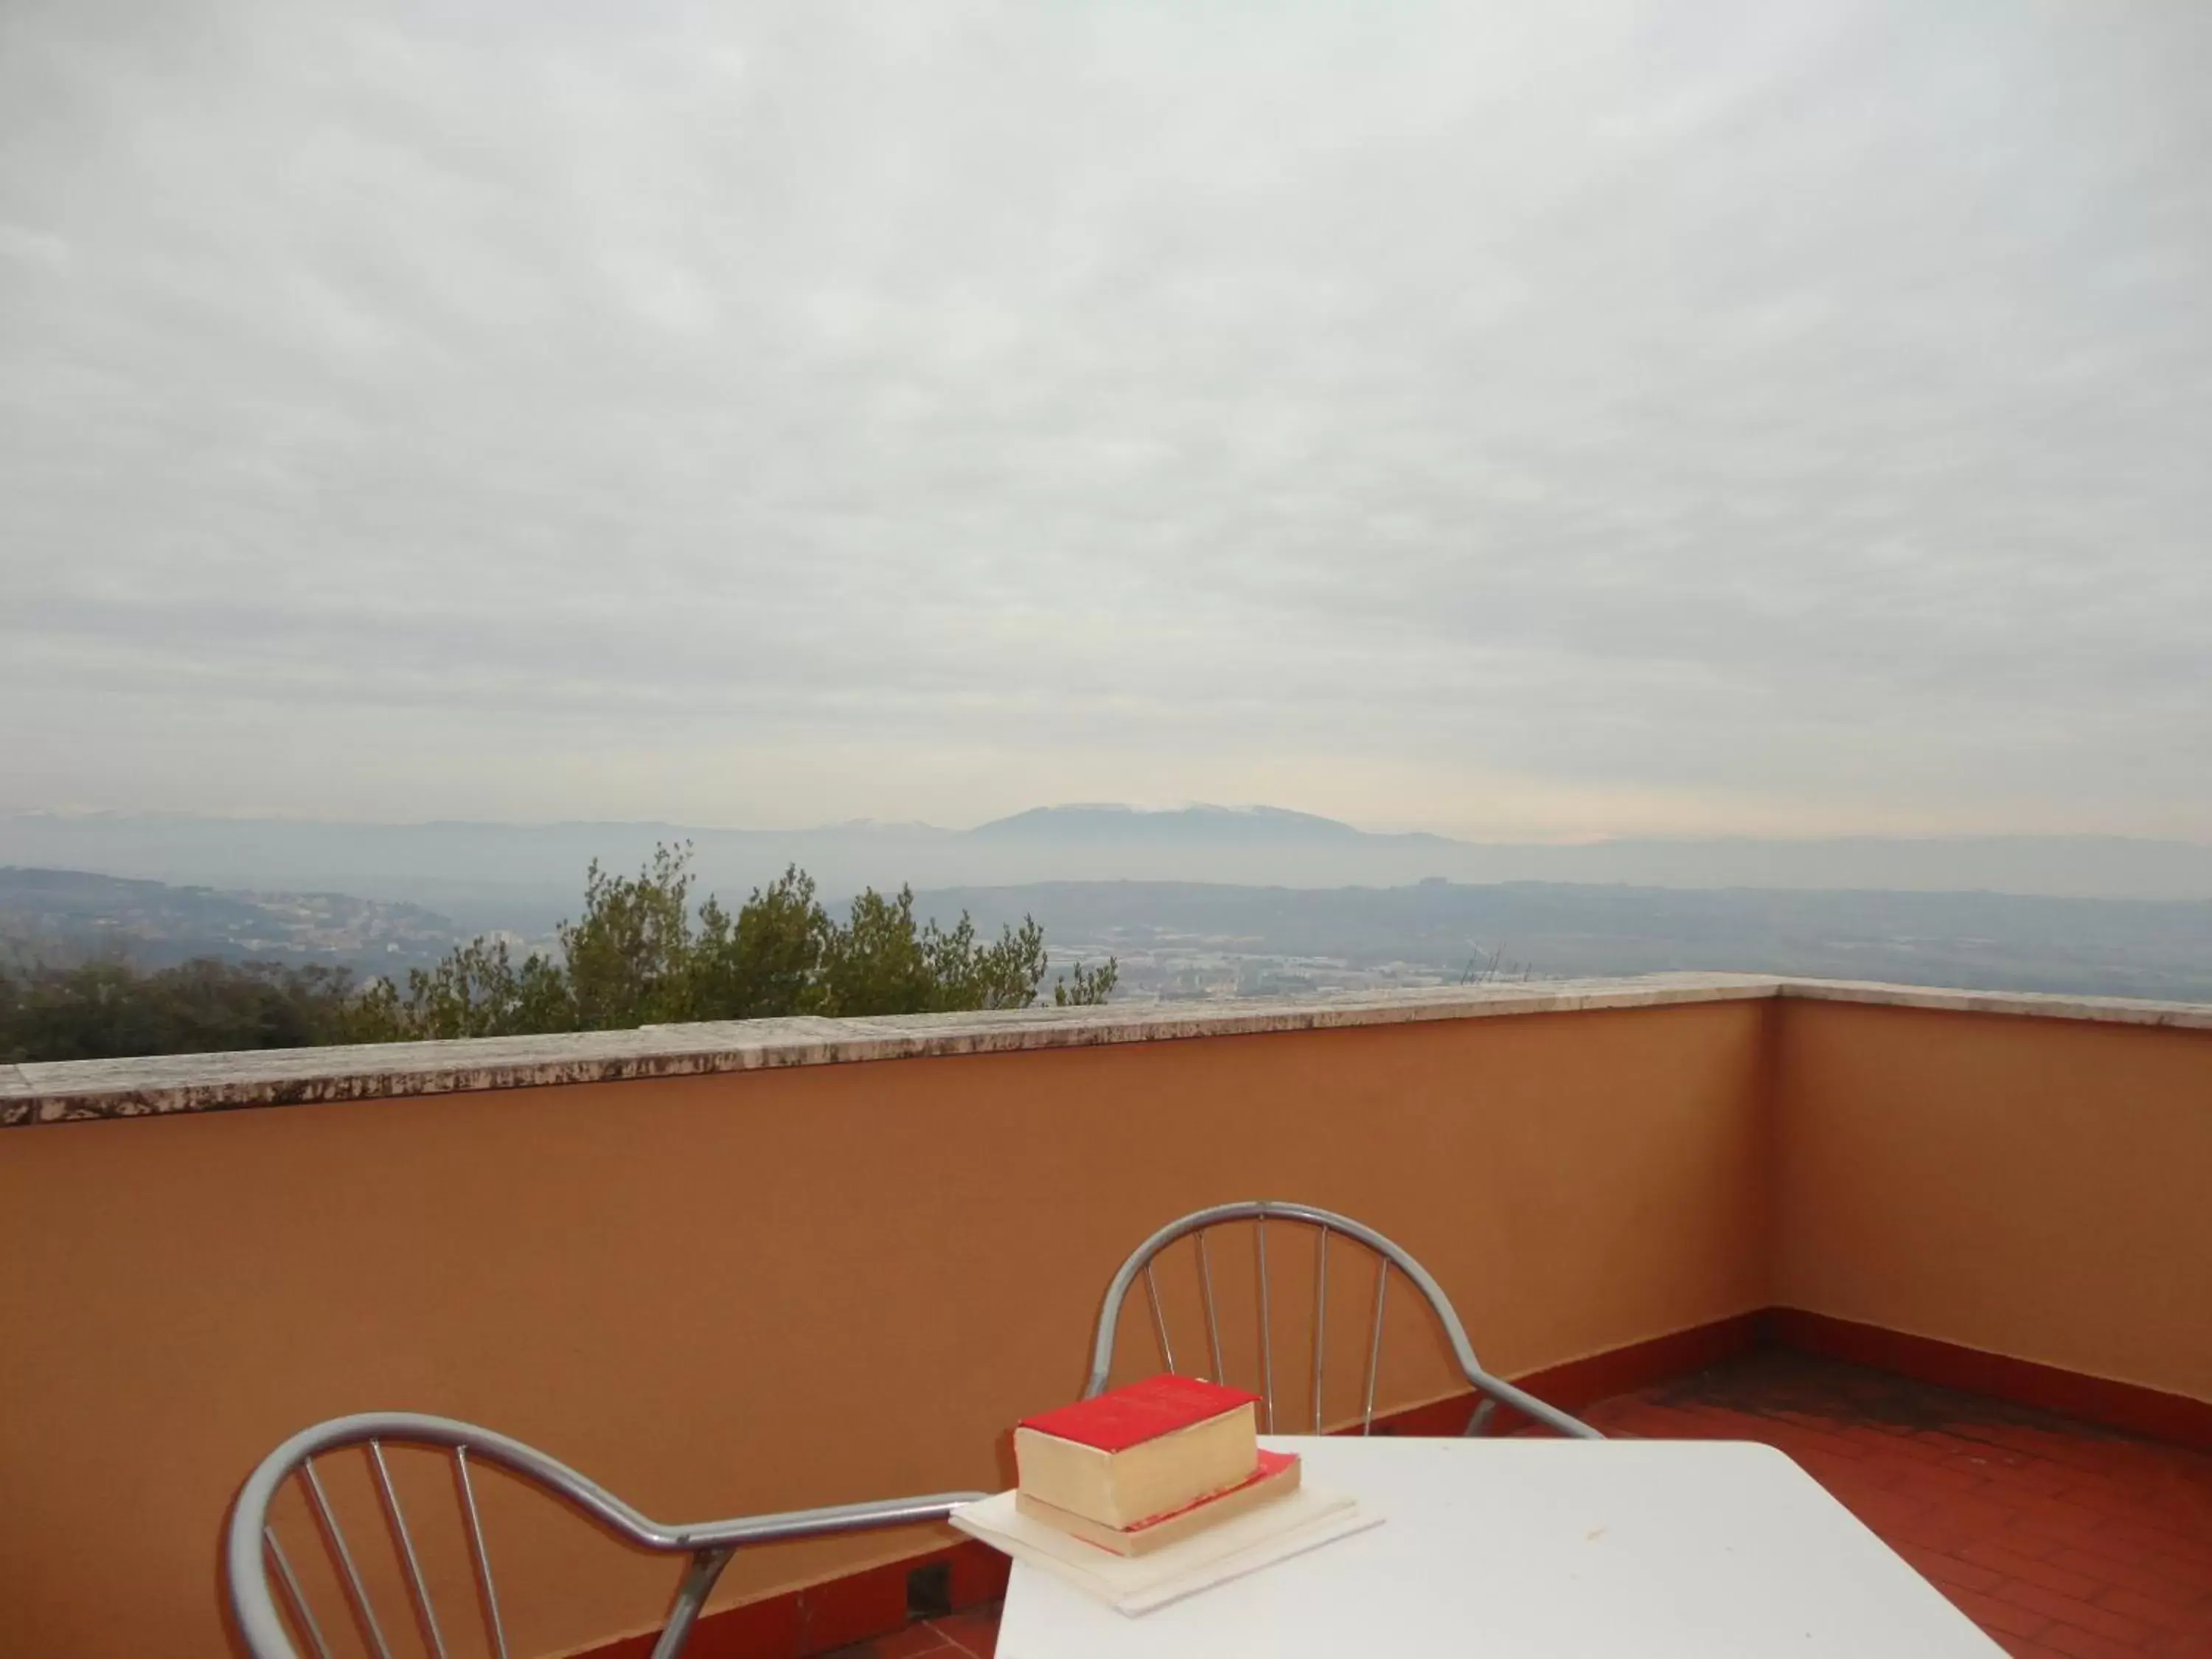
<point>75,1091</point>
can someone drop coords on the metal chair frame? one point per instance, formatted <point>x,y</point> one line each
<point>1493,1391</point>
<point>251,1543</point>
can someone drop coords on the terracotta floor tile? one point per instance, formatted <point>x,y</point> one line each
<point>2011,1563</point>
<point>2161,1613</point>
<point>2080,1614</point>
<point>975,1632</point>
<point>915,1641</point>
<point>2058,1537</point>
<point>2181,1571</point>
<point>1946,1570</point>
<point>2134,1575</point>
<point>1995,1614</point>
<point>2076,1644</point>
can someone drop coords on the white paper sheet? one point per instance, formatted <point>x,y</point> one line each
<point>1305,1520</point>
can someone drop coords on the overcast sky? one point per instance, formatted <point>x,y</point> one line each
<point>1506,419</point>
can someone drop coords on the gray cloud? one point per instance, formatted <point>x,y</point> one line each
<point>1617,419</point>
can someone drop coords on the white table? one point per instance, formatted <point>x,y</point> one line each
<point>1542,1549</point>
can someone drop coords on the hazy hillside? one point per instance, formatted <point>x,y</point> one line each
<point>1187,938</point>
<point>60,917</point>
<point>1198,938</point>
<point>1184,939</point>
<point>527,876</point>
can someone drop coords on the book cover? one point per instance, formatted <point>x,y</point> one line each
<point>1129,1416</point>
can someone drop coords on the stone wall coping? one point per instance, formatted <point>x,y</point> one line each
<point>162,1085</point>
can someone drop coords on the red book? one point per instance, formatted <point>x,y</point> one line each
<point>1134,1453</point>
<point>1124,1417</point>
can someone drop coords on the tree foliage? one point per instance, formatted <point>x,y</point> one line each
<point>106,1009</point>
<point>641,954</point>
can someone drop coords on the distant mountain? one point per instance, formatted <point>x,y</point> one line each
<point>527,876</point>
<point>1186,827</point>
<point>60,917</point>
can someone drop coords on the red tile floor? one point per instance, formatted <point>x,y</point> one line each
<point>972,1634</point>
<point>2057,1537</point>
<point>2062,1541</point>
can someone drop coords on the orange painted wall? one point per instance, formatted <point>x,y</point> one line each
<point>2036,1188</point>
<point>738,1293</point>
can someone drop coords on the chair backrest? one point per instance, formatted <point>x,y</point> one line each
<point>252,1546</point>
<point>1325,1225</point>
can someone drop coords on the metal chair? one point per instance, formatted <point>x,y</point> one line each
<point>1491,1391</point>
<point>251,1544</point>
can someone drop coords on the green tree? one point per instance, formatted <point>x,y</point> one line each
<point>766,961</point>
<point>875,964</point>
<point>478,990</point>
<point>108,1010</point>
<point>630,959</point>
<point>880,963</point>
<point>639,955</point>
<point>1084,986</point>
